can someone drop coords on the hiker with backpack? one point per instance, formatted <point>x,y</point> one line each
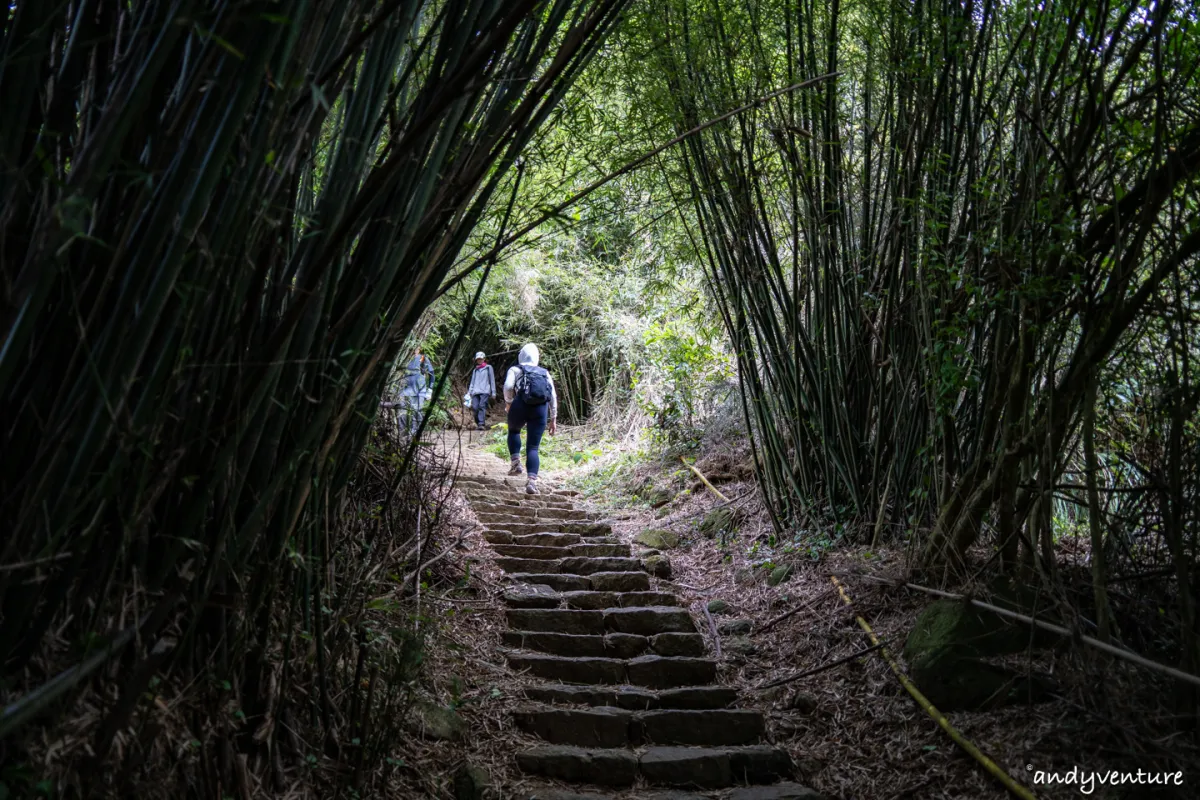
<point>482,388</point>
<point>531,403</point>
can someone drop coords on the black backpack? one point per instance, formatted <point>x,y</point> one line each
<point>534,386</point>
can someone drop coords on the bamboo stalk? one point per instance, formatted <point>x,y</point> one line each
<point>923,702</point>
<point>703,479</point>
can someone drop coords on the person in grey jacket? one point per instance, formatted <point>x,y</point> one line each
<point>416,388</point>
<point>482,388</point>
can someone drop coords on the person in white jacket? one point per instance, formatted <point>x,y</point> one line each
<point>531,403</point>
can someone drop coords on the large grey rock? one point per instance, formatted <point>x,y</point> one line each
<point>471,783</point>
<point>955,682</point>
<point>779,575</point>
<point>433,721</point>
<point>658,566</point>
<point>734,627</point>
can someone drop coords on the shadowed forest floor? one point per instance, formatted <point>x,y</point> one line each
<point>851,731</point>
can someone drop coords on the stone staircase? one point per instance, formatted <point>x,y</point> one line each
<point>621,690</point>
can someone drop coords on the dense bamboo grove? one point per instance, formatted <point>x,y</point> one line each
<point>937,264</point>
<point>219,221</point>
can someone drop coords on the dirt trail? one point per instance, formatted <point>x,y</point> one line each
<point>618,682</point>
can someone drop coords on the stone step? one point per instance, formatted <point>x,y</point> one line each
<point>603,600</point>
<point>577,765</point>
<point>538,526</point>
<point>617,727</point>
<point>533,539</point>
<point>640,620</point>
<point>699,767</point>
<point>559,583</point>
<point>517,516</point>
<point>612,645</point>
<point>534,501</point>
<point>650,671</point>
<point>711,767</point>
<point>532,596</point>
<point>778,791</point>
<point>695,698</point>
<point>599,582</point>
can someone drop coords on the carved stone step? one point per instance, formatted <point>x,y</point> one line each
<point>612,645</point>
<point>601,581</point>
<point>634,698</point>
<point>616,727</point>
<point>710,767</point>
<point>698,767</point>
<point>650,671</point>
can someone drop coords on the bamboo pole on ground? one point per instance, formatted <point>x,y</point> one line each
<point>962,741</point>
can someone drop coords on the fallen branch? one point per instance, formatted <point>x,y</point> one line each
<point>795,611</point>
<point>821,668</point>
<point>417,572</point>
<point>1113,650</point>
<point>700,475</point>
<point>923,702</point>
<point>712,627</point>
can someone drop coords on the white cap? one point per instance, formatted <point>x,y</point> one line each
<point>480,355</point>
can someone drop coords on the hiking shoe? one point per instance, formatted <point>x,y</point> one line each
<point>515,469</point>
<point>531,487</point>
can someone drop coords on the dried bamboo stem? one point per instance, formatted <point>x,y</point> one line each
<point>962,741</point>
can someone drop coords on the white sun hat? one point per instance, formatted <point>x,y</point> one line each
<point>479,355</point>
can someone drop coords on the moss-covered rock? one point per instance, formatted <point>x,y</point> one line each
<point>779,575</point>
<point>658,566</point>
<point>717,606</point>
<point>471,783</point>
<point>956,682</point>
<point>657,539</point>
<point>741,645</point>
<point>436,722</point>
<point>657,496</point>
<point>963,629</point>
<point>718,521</point>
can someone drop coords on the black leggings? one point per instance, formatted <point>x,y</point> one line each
<point>534,419</point>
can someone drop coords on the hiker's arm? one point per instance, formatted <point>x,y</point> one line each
<point>553,407</point>
<point>510,382</point>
